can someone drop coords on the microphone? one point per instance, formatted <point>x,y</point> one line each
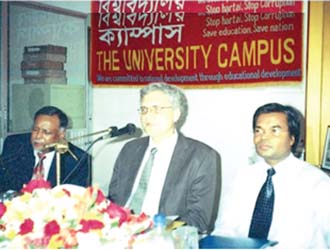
<point>114,131</point>
<point>62,146</point>
<point>128,129</point>
<point>108,131</point>
<point>56,145</point>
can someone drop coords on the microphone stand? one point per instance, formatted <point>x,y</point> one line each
<point>58,168</point>
<point>62,147</point>
<point>108,130</point>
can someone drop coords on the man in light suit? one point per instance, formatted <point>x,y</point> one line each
<point>185,176</point>
<point>19,155</point>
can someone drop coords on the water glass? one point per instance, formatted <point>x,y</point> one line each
<point>185,237</point>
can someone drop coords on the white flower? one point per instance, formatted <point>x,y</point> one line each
<point>67,216</point>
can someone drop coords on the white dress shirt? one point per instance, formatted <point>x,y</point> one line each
<point>47,162</point>
<point>301,217</point>
<point>158,173</point>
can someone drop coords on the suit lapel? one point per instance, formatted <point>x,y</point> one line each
<point>52,171</point>
<point>177,160</point>
<point>66,167</point>
<point>28,160</point>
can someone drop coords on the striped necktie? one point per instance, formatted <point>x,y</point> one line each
<point>39,171</point>
<point>139,195</point>
<point>263,210</point>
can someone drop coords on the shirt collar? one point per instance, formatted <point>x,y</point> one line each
<point>48,154</point>
<point>282,164</point>
<point>166,142</point>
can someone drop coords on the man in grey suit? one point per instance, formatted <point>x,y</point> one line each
<point>184,179</point>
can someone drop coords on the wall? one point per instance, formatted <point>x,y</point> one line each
<point>221,118</point>
<point>30,26</point>
<point>318,81</point>
<point>35,23</point>
<point>76,5</point>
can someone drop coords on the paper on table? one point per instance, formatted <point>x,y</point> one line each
<point>173,222</point>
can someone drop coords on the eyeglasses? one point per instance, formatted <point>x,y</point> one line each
<point>36,130</point>
<point>143,110</point>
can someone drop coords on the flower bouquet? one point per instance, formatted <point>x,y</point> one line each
<point>67,216</point>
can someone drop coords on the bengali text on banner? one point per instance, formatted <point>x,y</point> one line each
<point>196,42</point>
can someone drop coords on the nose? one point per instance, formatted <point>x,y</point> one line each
<point>266,134</point>
<point>263,135</point>
<point>38,134</point>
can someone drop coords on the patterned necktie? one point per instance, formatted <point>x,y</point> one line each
<point>139,195</point>
<point>39,171</point>
<point>263,210</point>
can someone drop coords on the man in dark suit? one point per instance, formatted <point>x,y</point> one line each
<point>19,156</point>
<point>185,176</point>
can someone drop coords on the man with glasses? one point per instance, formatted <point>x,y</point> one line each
<point>298,215</point>
<point>28,156</point>
<point>166,172</point>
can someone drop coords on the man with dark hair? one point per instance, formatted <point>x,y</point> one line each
<point>29,156</point>
<point>296,194</point>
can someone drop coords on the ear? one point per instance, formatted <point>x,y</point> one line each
<point>177,114</point>
<point>62,133</point>
<point>292,140</point>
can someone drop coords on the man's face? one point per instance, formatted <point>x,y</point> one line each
<point>46,130</point>
<point>159,120</point>
<point>272,138</point>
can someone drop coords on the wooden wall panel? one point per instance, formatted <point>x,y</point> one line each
<point>318,80</point>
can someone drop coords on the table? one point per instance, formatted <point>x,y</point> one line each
<point>221,242</point>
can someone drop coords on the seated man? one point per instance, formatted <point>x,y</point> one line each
<point>20,159</point>
<point>297,194</point>
<point>167,172</point>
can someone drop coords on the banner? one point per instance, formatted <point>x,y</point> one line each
<point>202,42</point>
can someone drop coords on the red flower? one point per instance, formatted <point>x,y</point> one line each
<point>3,209</point>
<point>51,228</point>
<point>142,217</point>
<point>99,197</point>
<point>88,225</point>
<point>36,243</point>
<point>35,184</point>
<point>26,227</point>
<point>114,211</point>
<point>67,192</point>
<point>68,236</point>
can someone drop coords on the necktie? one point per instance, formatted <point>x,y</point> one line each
<point>138,197</point>
<point>39,171</point>
<point>263,210</point>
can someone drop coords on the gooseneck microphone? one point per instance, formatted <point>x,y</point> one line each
<point>114,132</point>
<point>128,129</point>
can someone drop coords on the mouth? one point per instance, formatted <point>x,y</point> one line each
<point>149,125</point>
<point>37,144</point>
<point>264,147</point>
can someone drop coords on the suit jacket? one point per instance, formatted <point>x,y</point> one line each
<point>17,163</point>
<point>192,185</point>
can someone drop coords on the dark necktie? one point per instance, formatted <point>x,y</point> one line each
<point>39,171</point>
<point>139,195</point>
<point>263,210</point>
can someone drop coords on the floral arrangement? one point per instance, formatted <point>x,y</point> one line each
<point>66,216</point>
